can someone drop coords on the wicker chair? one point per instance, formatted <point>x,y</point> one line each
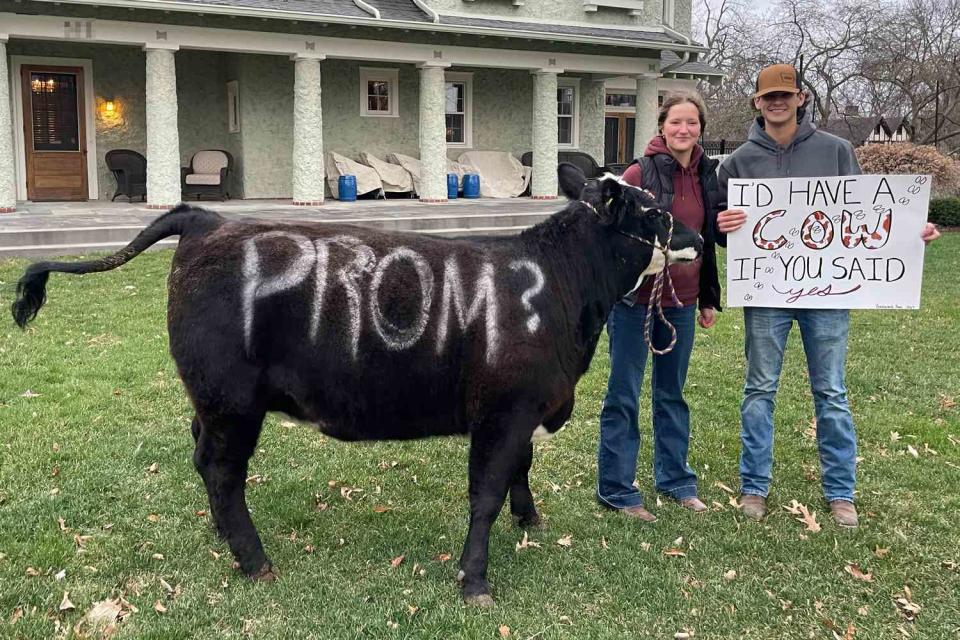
<point>129,168</point>
<point>207,175</point>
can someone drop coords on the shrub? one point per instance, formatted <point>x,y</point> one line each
<point>906,158</point>
<point>945,211</point>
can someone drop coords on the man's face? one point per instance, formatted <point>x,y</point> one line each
<point>779,107</point>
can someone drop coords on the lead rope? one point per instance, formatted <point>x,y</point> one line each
<point>656,294</point>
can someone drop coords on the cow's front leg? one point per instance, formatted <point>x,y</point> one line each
<point>495,452</point>
<point>224,447</point>
<point>521,498</point>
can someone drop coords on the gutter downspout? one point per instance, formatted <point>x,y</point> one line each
<point>684,59</point>
<point>423,6</point>
<point>363,6</point>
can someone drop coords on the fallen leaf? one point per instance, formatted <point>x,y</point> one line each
<point>29,394</point>
<point>16,615</point>
<point>81,541</point>
<point>904,602</point>
<point>526,543</point>
<point>412,610</point>
<point>854,570</point>
<point>308,549</point>
<point>154,468</point>
<point>678,542</point>
<point>674,552</point>
<point>729,575</point>
<point>381,509</point>
<point>65,604</point>
<point>153,518</point>
<point>733,502</point>
<point>504,631</point>
<point>62,524</point>
<point>864,610</point>
<point>157,556</point>
<point>912,451</point>
<point>894,436</point>
<point>33,573</point>
<point>645,546</point>
<point>166,586</point>
<point>396,561</point>
<point>723,487</point>
<point>880,552</point>
<point>159,608</point>
<point>566,541</point>
<point>443,557</point>
<point>603,543</point>
<point>946,402</point>
<point>392,625</point>
<point>806,517</point>
<point>949,565</point>
<point>566,620</point>
<point>60,575</point>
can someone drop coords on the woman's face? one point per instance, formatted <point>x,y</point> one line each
<point>681,129</point>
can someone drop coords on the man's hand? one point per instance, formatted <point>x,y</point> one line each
<point>930,232</point>
<point>708,317</point>
<point>731,220</point>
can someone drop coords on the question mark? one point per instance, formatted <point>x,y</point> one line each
<point>533,322</point>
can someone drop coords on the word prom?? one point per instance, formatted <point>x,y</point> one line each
<point>357,263</point>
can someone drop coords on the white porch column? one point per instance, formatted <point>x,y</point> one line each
<point>308,175</point>
<point>163,135</point>
<point>8,192</point>
<point>543,182</point>
<point>646,123</point>
<point>433,133</point>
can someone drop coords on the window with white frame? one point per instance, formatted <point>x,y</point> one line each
<point>567,112</point>
<point>669,9</point>
<point>379,92</point>
<point>458,107</point>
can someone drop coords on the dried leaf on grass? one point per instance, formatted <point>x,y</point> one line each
<point>16,615</point>
<point>808,518</point>
<point>723,487</point>
<point>159,608</point>
<point>566,541</point>
<point>504,631</point>
<point>65,604</point>
<point>674,553</point>
<point>396,562</point>
<point>526,543</point>
<point>904,602</point>
<point>854,570</point>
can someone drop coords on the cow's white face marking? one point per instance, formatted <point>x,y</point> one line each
<point>687,254</point>
<point>542,434</point>
<point>351,272</point>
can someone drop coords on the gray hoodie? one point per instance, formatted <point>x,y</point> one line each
<point>811,154</point>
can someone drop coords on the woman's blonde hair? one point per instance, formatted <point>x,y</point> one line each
<point>674,98</point>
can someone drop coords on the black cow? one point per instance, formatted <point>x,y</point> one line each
<point>376,335</point>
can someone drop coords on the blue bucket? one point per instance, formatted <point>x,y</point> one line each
<point>347,188</point>
<point>453,185</point>
<point>471,185</point>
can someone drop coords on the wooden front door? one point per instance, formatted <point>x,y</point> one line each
<point>54,133</point>
<point>618,134</point>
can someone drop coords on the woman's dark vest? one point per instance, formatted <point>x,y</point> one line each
<point>657,176</point>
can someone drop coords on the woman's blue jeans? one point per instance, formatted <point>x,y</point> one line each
<point>824,334</point>
<point>619,432</point>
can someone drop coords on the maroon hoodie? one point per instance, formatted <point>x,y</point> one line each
<point>687,208</point>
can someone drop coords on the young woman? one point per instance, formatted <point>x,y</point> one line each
<point>684,181</point>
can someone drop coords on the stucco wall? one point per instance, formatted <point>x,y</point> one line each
<point>546,10</point>
<point>202,103</point>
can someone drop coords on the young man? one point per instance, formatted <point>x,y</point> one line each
<point>780,145</point>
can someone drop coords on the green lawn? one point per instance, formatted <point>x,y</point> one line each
<point>102,442</point>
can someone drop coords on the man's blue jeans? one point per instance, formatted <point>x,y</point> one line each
<point>619,433</point>
<point>824,334</point>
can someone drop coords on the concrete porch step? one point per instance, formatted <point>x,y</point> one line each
<point>57,240</point>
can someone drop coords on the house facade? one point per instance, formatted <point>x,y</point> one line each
<point>276,83</point>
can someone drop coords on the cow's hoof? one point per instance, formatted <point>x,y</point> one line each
<point>264,574</point>
<point>483,600</point>
<point>529,521</point>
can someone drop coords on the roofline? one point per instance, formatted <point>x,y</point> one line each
<point>172,6</point>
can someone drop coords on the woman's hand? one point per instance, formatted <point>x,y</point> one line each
<point>930,233</point>
<point>731,220</point>
<point>708,317</point>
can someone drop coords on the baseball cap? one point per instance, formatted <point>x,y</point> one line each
<point>777,77</point>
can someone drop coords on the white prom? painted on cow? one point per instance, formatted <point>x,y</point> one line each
<point>257,287</point>
<point>394,337</point>
<point>484,293</point>
<point>350,276</point>
<point>533,322</point>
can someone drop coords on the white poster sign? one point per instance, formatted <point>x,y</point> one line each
<point>850,242</point>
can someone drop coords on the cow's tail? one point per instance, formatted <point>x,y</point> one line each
<point>183,220</point>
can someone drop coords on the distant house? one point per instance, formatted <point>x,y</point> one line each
<point>277,83</point>
<point>862,130</point>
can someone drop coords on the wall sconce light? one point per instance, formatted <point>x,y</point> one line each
<point>109,107</point>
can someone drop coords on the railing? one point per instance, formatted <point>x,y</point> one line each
<point>720,147</point>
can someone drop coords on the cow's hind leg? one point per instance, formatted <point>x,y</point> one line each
<point>222,454</point>
<point>495,452</point>
<point>521,498</point>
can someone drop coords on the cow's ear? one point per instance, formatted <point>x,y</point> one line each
<point>611,200</point>
<point>572,180</point>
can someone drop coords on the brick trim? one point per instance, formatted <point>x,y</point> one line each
<point>434,200</point>
<point>307,203</point>
<point>544,197</point>
<point>7,209</point>
<point>160,206</point>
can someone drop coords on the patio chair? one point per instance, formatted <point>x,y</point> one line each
<point>207,174</point>
<point>501,175</point>
<point>394,177</point>
<point>579,159</point>
<point>368,180</point>
<point>412,165</point>
<point>129,168</point>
